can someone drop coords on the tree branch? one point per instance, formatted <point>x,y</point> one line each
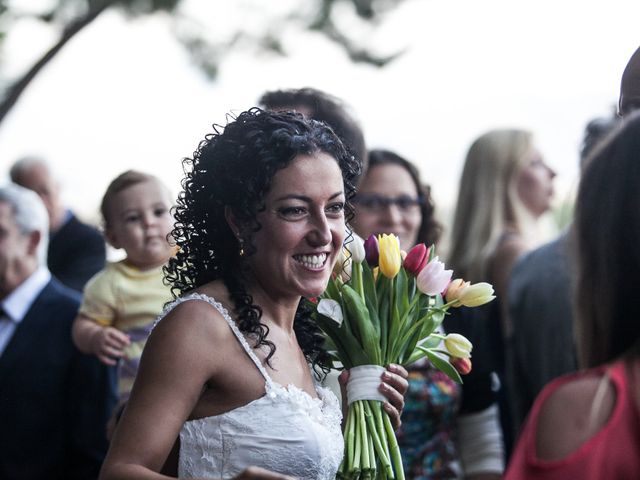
<point>15,90</point>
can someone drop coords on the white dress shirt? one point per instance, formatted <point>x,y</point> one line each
<point>16,305</point>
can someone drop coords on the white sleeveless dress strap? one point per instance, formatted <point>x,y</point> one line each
<point>285,431</point>
<point>232,324</point>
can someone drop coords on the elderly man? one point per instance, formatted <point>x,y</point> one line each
<point>54,401</point>
<point>76,250</point>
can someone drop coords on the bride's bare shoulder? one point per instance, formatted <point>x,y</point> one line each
<point>195,316</point>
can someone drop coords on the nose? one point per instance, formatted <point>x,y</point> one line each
<point>320,232</point>
<point>391,214</point>
<point>149,219</point>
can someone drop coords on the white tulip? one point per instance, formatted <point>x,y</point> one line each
<point>356,248</point>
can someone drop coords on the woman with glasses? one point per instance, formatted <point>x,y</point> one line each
<point>392,199</point>
<point>437,438</point>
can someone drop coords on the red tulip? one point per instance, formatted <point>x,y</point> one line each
<point>462,365</point>
<point>416,259</point>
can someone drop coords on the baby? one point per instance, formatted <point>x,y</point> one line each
<point>121,302</point>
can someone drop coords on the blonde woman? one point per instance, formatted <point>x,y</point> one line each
<point>505,187</point>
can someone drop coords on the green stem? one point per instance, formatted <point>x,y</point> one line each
<point>357,270</point>
<point>396,457</point>
<point>357,453</point>
<point>452,303</point>
<point>391,328</point>
<point>372,455</point>
<point>362,424</point>
<point>349,441</point>
<point>377,435</point>
<point>380,428</point>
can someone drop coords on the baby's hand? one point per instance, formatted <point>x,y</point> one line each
<point>108,344</point>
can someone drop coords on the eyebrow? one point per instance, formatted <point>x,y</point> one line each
<point>304,198</point>
<point>138,208</point>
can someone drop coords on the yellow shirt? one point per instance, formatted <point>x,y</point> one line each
<point>123,297</point>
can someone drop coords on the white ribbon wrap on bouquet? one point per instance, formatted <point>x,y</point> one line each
<point>364,383</point>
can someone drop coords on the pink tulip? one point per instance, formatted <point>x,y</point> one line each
<point>454,290</point>
<point>433,278</point>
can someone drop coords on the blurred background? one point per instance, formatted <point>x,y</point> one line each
<point>138,83</point>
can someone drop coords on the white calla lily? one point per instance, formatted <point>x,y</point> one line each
<point>331,309</point>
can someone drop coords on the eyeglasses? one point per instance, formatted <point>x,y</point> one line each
<point>373,202</point>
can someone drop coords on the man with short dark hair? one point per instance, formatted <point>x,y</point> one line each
<point>321,106</point>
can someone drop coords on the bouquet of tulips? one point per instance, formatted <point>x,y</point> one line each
<point>383,306</point>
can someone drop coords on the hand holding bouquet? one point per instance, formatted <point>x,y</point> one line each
<point>387,310</point>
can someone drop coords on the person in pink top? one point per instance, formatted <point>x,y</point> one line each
<point>586,425</point>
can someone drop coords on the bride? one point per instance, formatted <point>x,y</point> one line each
<point>229,375</point>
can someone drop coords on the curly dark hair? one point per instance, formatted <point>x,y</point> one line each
<point>430,229</point>
<point>233,168</point>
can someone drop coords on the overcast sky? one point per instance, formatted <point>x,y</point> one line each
<point>123,94</point>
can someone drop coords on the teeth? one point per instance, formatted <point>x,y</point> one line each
<point>312,261</point>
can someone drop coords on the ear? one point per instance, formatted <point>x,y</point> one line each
<point>232,221</point>
<point>33,241</point>
<point>111,237</point>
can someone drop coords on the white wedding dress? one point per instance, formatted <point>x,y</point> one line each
<point>286,430</point>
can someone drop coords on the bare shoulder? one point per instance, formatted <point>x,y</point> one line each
<point>191,320</point>
<point>185,335</point>
<point>573,414</point>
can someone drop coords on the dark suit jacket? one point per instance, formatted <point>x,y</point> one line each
<point>54,401</point>
<point>76,253</point>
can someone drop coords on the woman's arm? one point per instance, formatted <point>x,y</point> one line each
<point>174,367</point>
<point>480,444</point>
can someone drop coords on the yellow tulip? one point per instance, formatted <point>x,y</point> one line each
<point>476,294</point>
<point>390,260</point>
<point>458,345</point>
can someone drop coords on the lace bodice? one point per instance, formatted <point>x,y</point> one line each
<point>286,430</point>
